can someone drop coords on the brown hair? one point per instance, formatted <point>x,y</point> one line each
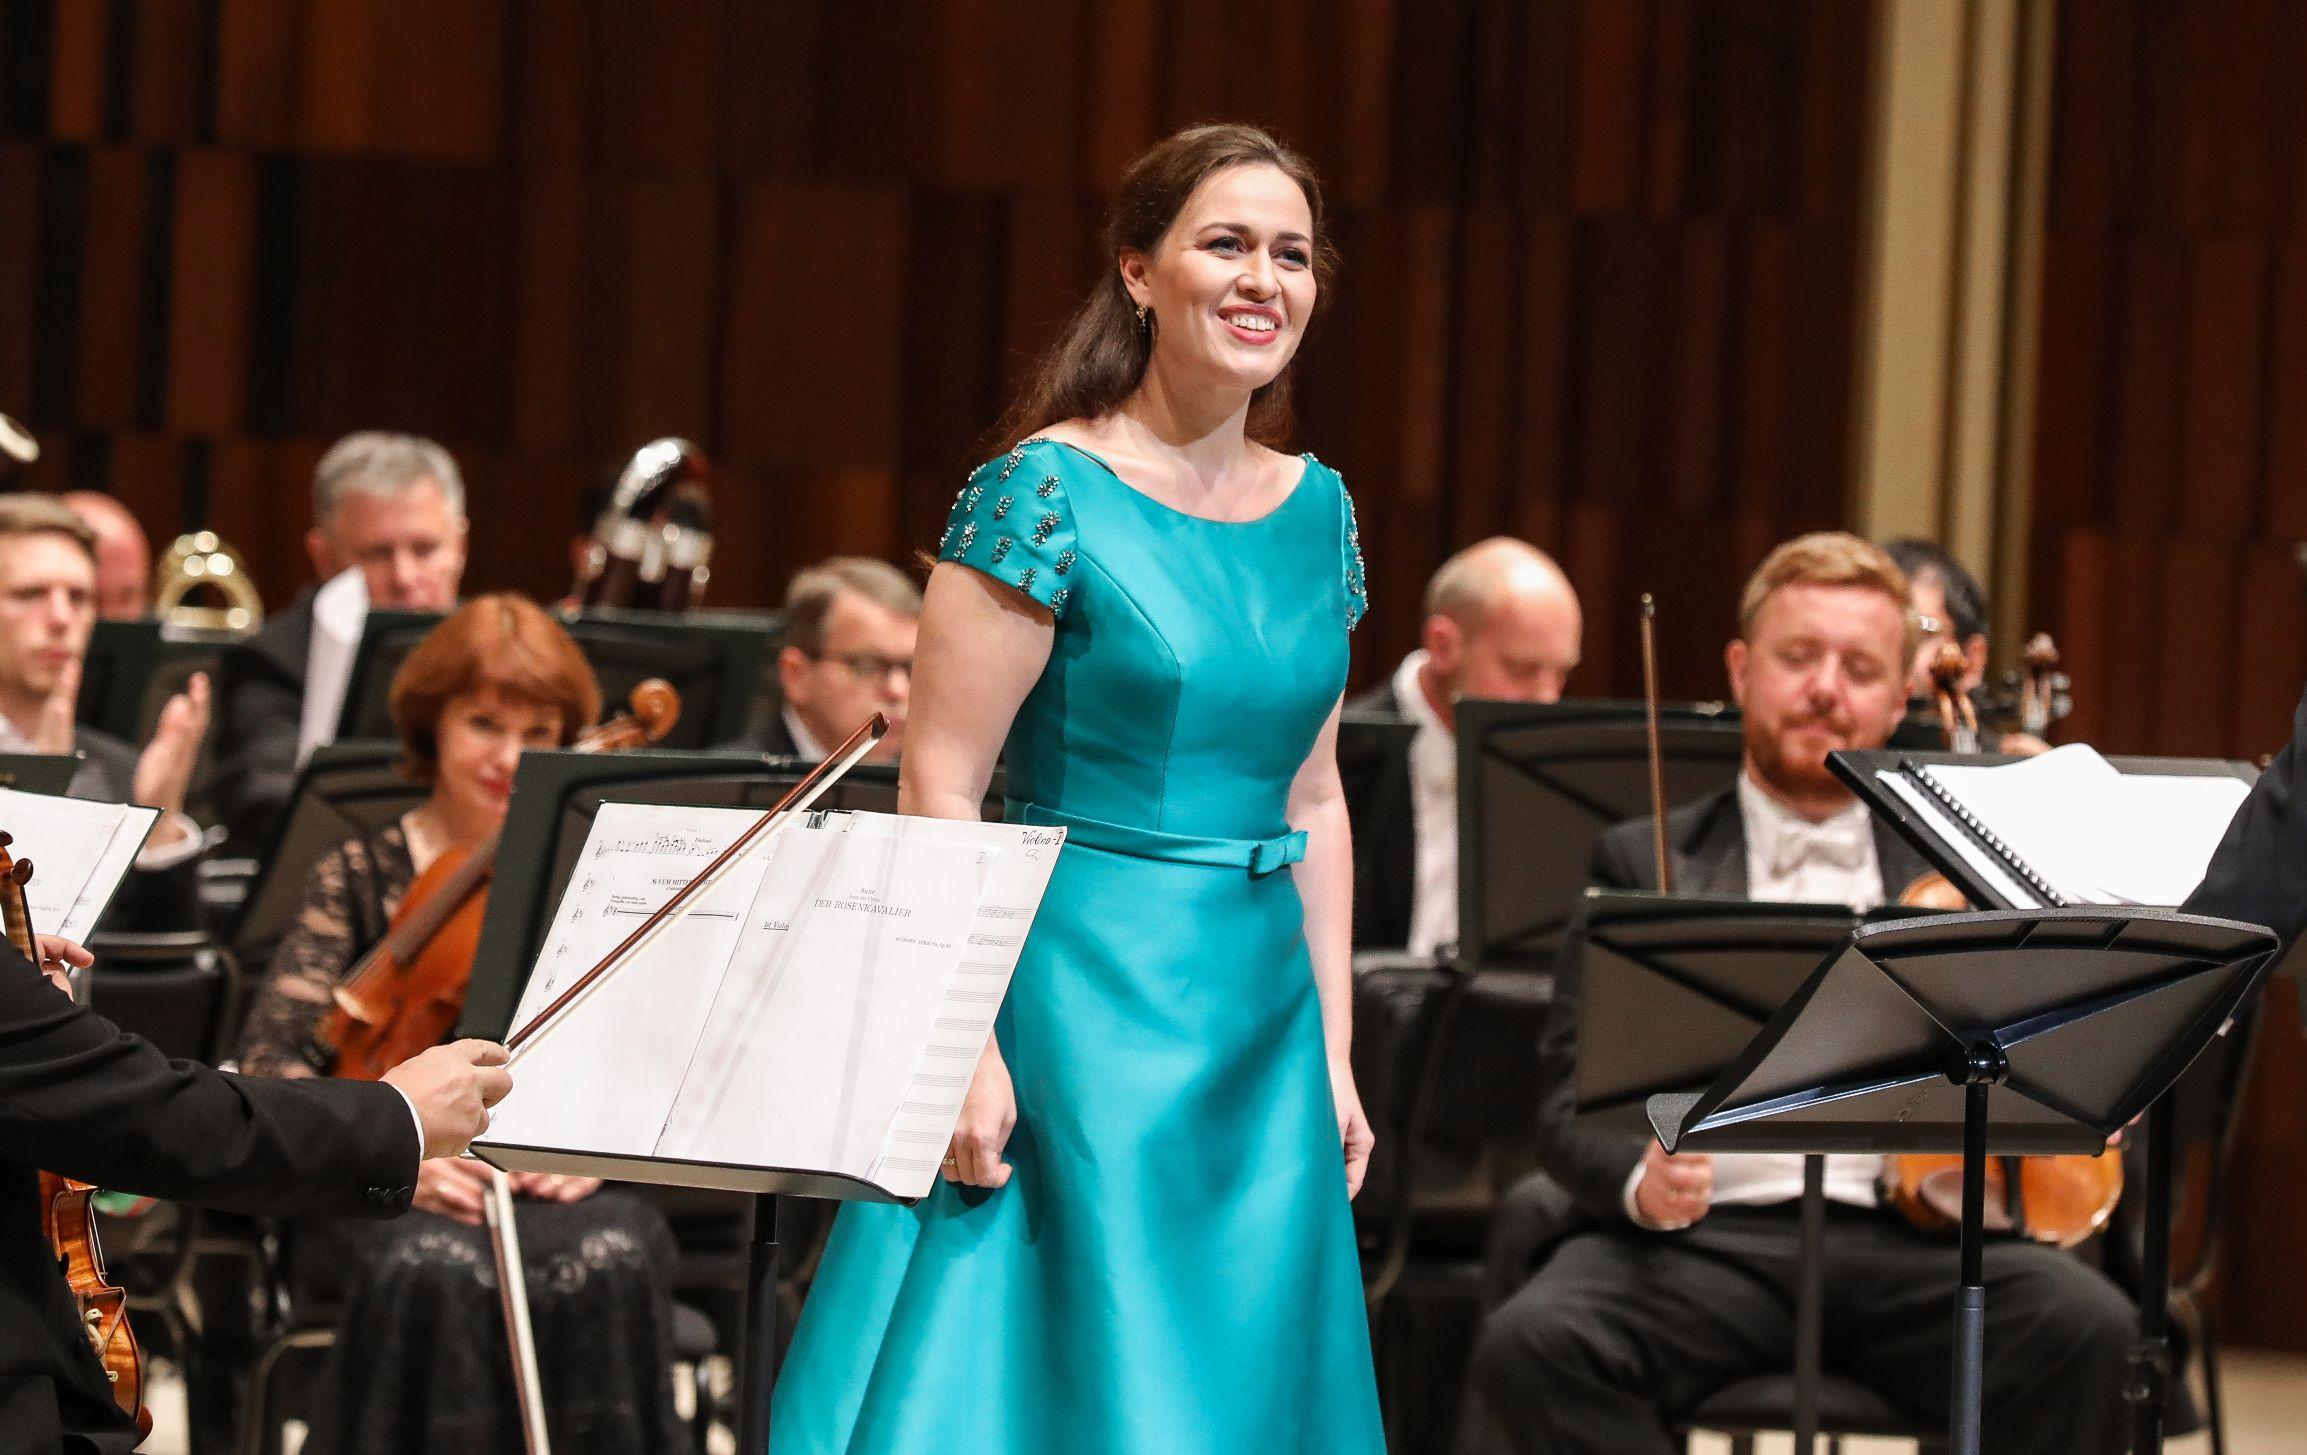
<point>1827,558</point>
<point>26,513</point>
<point>1100,356</point>
<point>809,599</point>
<point>505,642</point>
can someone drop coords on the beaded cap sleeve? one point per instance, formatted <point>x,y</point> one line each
<point>1350,553</point>
<point>1012,523</point>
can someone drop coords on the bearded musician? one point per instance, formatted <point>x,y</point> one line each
<point>1679,1276</point>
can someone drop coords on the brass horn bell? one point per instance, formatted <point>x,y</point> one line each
<point>201,563</point>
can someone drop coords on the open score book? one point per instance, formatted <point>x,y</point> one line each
<point>820,1009</point>
<point>2070,828</point>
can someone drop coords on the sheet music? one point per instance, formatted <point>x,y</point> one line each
<point>1955,837</point>
<point>2098,834</point>
<point>914,1142</point>
<point>807,1013</point>
<point>644,1019</point>
<point>79,852</point>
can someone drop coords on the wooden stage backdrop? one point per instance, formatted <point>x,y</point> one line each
<point>2170,458</point>
<point>1599,291</point>
<point>1598,283</point>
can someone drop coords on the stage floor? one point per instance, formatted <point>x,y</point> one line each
<point>2266,1394</point>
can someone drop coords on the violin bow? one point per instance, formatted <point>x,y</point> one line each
<point>1657,755</point>
<point>796,801</point>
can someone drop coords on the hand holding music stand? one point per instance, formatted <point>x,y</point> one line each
<point>2083,1016</point>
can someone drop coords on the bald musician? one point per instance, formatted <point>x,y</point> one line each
<point>80,1097</point>
<point>1678,1278</point>
<point>123,555</point>
<point>1501,622</point>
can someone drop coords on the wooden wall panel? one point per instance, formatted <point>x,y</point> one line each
<point>2170,461</point>
<point>1598,283</point>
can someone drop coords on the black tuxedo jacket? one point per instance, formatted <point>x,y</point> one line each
<point>2259,873</point>
<point>1381,808</point>
<point>1706,843</point>
<point>82,1098</point>
<point>259,709</point>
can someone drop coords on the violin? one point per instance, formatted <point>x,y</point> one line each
<point>2055,1200</point>
<point>404,996</point>
<point>66,1215</point>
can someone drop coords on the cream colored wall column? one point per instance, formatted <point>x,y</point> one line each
<point>1947,299</point>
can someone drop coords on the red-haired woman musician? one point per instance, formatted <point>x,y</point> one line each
<point>421,1362</point>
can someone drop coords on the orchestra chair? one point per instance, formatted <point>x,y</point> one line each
<point>1446,1061</point>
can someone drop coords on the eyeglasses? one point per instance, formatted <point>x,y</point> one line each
<point>870,666</point>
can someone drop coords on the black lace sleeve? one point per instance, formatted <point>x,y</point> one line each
<point>349,899</point>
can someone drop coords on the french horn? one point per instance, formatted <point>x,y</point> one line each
<point>652,547</point>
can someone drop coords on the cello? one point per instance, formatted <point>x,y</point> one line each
<point>66,1214</point>
<point>2056,1200</point>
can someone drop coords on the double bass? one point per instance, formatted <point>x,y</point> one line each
<point>2057,1200</point>
<point>66,1214</point>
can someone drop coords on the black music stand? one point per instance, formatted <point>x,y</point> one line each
<point>1670,988</point>
<point>49,773</point>
<point>556,796</point>
<point>715,661</point>
<point>1538,785</point>
<point>2084,1016</point>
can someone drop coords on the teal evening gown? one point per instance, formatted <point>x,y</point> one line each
<point>1172,1266</point>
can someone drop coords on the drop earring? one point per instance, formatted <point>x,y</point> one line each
<point>1142,315</point>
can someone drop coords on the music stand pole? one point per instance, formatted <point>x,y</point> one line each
<point>1979,1070</point>
<point>2149,1386</point>
<point>756,1369</point>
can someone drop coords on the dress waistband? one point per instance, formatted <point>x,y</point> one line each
<point>1259,856</point>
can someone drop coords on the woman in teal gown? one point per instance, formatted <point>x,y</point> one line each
<point>1143,1241</point>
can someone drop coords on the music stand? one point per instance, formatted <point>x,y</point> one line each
<point>1667,990</point>
<point>556,796</point>
<point>714,661</point>
<point>1538,785</point>
<point>132,668</point>
<point>1859,770</point>
<point>2084,1016</point>
<point>344,790</point>
<point>49,773</point>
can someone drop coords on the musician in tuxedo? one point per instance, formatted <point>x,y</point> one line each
<point>48,594</point>
<point>1501,622</point>
<point>850,624</point>
<point>2259,873</point>
<point>1950,607</point>
<point>388,531</point>
<point>1678,1275</point>
<point>81,1098</point>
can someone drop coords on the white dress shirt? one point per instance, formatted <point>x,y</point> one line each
<point>805,744</point>
<point>1789,859</point>
<point>1433,814</point>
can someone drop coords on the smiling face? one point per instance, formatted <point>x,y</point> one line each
<point>1230,286</point>
<point>480,739</point>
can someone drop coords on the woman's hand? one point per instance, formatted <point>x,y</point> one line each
<point>59,957</point>
<point>453,1187</point>
<point>988,1116</point>
<point>1354,1132</point>
<point>555,1186</point>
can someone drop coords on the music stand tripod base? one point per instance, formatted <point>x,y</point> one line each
<point>1902,1040</point>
